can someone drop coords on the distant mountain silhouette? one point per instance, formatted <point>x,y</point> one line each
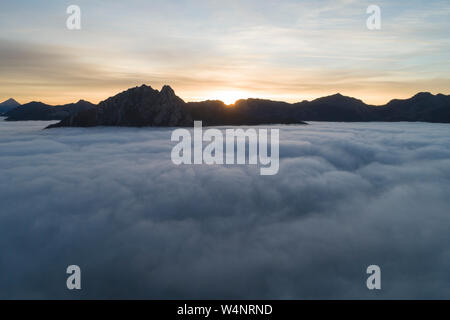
<point>8,105</point>
<point>243,112</point>
<point>138,107</point>
<point>41,111</point>
<point>333,108</point>
<point>423,107</point>
<point>336,108</point>
<point>144,106</point>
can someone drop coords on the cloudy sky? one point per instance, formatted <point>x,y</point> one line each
<point>288,50</point>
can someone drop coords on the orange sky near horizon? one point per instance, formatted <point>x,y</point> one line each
<point>228,96</point>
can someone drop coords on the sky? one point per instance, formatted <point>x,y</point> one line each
<point>283,50</point>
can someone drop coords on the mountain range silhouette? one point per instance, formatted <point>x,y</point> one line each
<point>145,106</point>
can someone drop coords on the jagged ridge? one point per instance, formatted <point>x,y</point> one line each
<point>138,107</point>
<point>144,106</point>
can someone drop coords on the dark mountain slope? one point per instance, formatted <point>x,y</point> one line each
<point>138,107</point>
<point>41,111</point>
<point>333,108</point>
<point>8,105</point>
<point>144,106</point>
<point>243,112</point>
<point>422,107</point>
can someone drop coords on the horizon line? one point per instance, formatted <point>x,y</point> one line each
<point>218,99</point>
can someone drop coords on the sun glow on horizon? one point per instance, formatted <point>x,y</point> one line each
<point>229,96</point>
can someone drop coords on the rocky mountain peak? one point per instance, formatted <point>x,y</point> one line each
<point>136,107</point>
<point>167,90</point>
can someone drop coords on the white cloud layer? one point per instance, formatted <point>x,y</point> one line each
<point>111,201</point>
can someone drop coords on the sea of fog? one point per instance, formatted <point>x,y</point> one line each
<point>347,195</point>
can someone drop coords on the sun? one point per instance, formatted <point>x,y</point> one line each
<point>229,97</point>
